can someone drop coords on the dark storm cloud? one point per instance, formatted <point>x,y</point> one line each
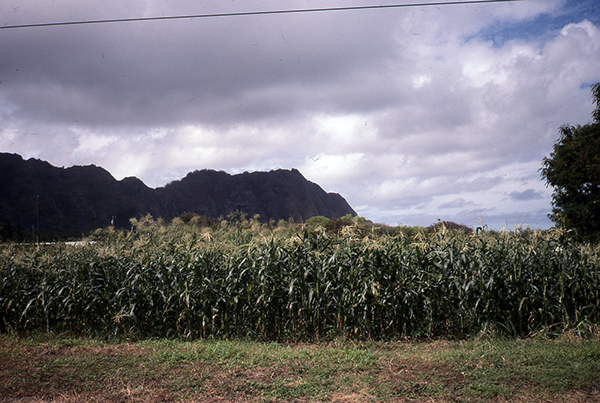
<point>168,72</point>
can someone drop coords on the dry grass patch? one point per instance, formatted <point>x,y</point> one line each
<point>66,370</point>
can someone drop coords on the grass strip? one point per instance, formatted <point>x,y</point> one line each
<point>49,369</point>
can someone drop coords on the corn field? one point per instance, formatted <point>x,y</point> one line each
<point>285,282</point>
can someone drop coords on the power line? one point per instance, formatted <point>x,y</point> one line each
<point>248,13</point>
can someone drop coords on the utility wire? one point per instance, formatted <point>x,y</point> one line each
<point>247,13</point>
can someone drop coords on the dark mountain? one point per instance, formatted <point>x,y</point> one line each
<point>280,194</point>
<point>82,198</point>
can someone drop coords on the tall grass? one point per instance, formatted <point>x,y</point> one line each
<point>282,282</point>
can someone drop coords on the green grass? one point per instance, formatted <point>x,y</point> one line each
<point>482,370</point>
<point>500,367</point>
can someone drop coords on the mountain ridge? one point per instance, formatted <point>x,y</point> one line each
<point>79,199</point>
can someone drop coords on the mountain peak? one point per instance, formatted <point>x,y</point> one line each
<point>82,198</point>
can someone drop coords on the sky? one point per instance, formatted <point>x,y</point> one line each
<point>413,114</point>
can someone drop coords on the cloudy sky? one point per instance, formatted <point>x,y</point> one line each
<point>413,114</point>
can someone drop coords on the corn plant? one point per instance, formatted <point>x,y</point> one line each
<point>285,282</point>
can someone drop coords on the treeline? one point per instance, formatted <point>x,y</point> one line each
<point>334,225</point>
<point>14,233</point>
<point>10,232</point>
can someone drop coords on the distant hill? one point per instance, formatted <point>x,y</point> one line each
<point>80,199</point>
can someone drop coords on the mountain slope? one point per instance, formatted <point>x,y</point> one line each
<point>82,198</point>
<point>275,195</point>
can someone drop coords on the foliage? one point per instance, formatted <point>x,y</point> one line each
<point>317,222</point>
<point>8,234</point>
<point>449,226</point>
<point>573,170</point>
<point>249,279</point>
<point>336,225</point>
<point>596,95</point>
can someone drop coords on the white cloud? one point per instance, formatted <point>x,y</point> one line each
<point>411,114</point>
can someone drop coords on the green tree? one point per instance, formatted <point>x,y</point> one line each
<point>573,170</point>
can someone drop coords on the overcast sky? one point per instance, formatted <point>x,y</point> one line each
<point>412,114</point>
